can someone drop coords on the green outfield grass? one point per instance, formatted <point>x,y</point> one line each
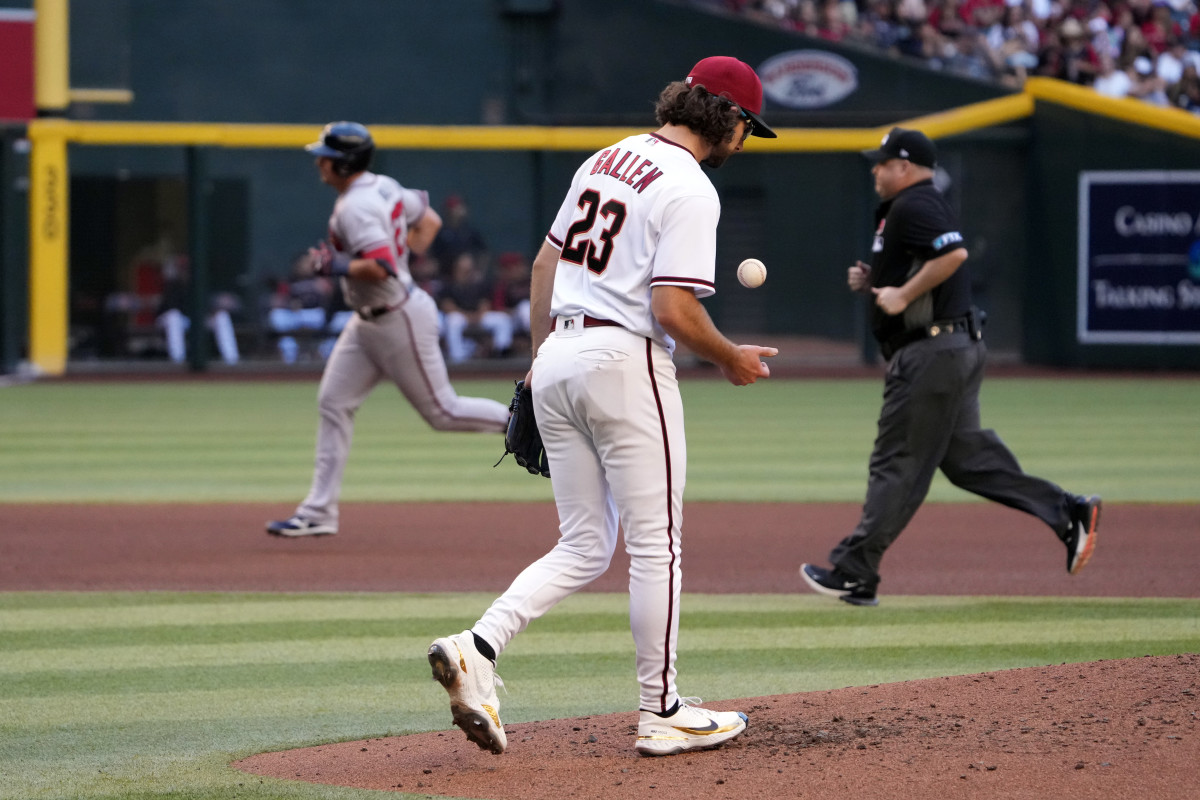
<point>115,696</point>
<point>1131,440</point>
<point>149,696</point>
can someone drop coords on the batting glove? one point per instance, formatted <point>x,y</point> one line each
<point>329,262</point>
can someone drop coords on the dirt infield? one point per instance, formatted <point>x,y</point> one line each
<point>1112,729</point>
<point>949,549</point>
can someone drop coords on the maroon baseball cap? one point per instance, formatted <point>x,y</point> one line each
<point>736,81</point>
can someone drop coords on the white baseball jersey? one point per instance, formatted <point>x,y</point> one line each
<point>639,214</point>
<point>650,196</point>
<point>369,220</point>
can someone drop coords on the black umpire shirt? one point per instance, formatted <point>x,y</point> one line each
<point>913,227</point>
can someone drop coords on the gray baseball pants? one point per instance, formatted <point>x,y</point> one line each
<point>403,347</point>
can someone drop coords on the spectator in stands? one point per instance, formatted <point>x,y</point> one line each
<point>1106,37</point>
<point>1014,31</point>
<point>1040,11</point>
<point>1070,36</point>
<point>1186,93</point>
<point>922,39</point>
<point>969,56</point>
<point>948,18</point>
<point>466,305</point>
<point>511,293</point>
<point>1171,61</point>
<point>832,24</point>
<point>1147,85</point>
<point>457,236</point>
<point>1012,42</point>
<point>426,274</point>
<point>1112,81</point>
<point>1161,27</point>
<point>774,12</point>
<point>983,14</point>
<point>1120,26</point>
<point>1140,11</point>
<point>1068,55</point>
<point>803,17</point>
<point>878,26</point>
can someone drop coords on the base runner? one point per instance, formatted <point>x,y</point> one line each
<point>375,224</point>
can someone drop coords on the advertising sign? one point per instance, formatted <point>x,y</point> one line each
<point>1139,257</point>
<point>805,79</point>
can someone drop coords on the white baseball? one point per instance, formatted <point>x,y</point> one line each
<point>752,273</point>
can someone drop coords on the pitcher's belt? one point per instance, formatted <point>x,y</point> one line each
<point>588,322</point>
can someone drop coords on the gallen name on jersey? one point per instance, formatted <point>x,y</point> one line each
<point>608,164</point>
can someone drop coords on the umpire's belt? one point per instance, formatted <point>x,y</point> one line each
<point>939,327</point>
<point>571,322</point>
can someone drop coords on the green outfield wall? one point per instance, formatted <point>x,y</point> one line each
<point>803,205</point>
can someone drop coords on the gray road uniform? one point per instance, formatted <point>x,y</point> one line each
<point>393,335</point>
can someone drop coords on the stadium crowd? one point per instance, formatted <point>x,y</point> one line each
<point>1145,49</point>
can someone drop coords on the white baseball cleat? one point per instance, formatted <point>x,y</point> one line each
<point>689,728</point>
<point>470,679</point>
<point>299,526</point>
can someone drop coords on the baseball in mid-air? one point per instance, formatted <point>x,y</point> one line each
<point>751,273</point>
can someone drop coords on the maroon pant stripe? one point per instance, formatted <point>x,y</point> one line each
<point>662,421</point>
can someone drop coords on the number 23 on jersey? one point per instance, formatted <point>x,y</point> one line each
<point>581,247</point>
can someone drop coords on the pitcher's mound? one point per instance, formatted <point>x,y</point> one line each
<point>1110,729</point>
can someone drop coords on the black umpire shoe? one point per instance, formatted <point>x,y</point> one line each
<point>1080,537</point>
<point>836,583</point>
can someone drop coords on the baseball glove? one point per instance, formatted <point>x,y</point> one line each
<point>522,437</point>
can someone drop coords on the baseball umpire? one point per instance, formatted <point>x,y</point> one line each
<point>930,333</point>
<point>375,225</point>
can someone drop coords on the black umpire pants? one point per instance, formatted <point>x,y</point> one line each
<point>930,420</point>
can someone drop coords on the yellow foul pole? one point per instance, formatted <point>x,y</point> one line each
<point>48,320</point>
<point>50,56</point>
<point>48,184</point>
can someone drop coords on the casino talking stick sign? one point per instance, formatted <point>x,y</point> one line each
<point>1139,258</point>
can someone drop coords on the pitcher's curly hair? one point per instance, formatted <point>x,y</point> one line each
<point>713,118</point>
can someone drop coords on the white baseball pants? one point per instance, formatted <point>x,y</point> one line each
<point>175,325</point>
<point>611,418</point>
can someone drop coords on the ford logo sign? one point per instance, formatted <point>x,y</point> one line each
<point>807,78</point>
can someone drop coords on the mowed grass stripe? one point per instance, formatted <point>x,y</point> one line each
<point>414,694</point>
<point>93,611</point>
<point>397,649</point>
<point>406,694</point>
<point>722,674</point>
<point>109,610</point>
<point>76,611</point>
<point>811,612</point>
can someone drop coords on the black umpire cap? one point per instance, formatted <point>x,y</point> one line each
<point>903,143</point>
